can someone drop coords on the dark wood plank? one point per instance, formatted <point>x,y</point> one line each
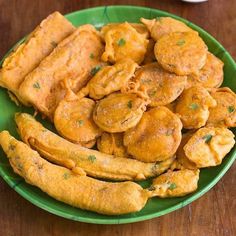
<point>212,214</point>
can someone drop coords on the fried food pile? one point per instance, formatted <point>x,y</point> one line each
<point>145,95</point>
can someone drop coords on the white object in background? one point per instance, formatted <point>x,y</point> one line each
<point>194,1</point>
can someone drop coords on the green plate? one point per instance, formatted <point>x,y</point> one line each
<point>155,207</point>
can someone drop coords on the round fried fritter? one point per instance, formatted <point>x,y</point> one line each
<point>123,41</point>
<point>210,76</point>
<point>182,53</point>
<point>119,112</point>
<point>112,143</point>
<point>164,25</point>
<point>208,146</point>
<point>224,114</point>
<point>161,86</point>
<point>156,137</point>
<point>73,120</point>
<point>193,107</point>
<point>149,56</point>
<point>109,79</point>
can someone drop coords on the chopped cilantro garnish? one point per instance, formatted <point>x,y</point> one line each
<point>231,109</point>
<point>66,175</point>
<point>172,186</point>
<point>91,55</point>
<point>91,158</point>
<point>95,70</point>
<point>36,85</point>
<point>193,106</point>
<point>121,42</point>
<point>207,138</point>
<point>129,104</point>
<point>152,93</point>
<point>180,42</point>
<point>80,122</point>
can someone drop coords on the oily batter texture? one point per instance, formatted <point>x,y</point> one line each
<point>193,107</point>
<point>74,189</point>
<point>208,146</point>
<point>224,113</point>
<point>27,56</point>
<point>183,53</point>
<point>119,112</point>
<point>69,61</point>
<point>164,25</point>
<point>156,137</point>
<point>77,158</point>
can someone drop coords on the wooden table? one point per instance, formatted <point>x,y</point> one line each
<point>212,214</point>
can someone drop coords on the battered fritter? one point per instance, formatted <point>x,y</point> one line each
<point>149,56</point>
<point>224,114</point>
<point>161,26</point>
<point>161,86</point>
<point>119,112</point>
<point>182,53</point>
<point>73,119</point>
<point>208,146</point>
<point>210,76</point>
<point>109,79</point>
<point>26,57</point>
<point>112,143</point>
<point>123,41</point>
<point>193,107</point>
<point>156,137</point>
<point>71,61</point>
<point>75,157</point>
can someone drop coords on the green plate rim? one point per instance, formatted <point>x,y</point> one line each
<point>151,215</point>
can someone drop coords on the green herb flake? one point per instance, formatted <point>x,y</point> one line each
<point>91,55</point>
<point>91,158</point>
<point>95,70</point>
<point>11,147</point>
<point>158,18</point>
<point>207,138</point>
<point>80,123</point>
<point>36,85</point>
<point>153,93</point>
<point>129,104</point>
<point>54,44</point>
<point>231,109</point>
<point>66,175</point>
<point>180,42</point>
<point>193,106</point>
<point>151,188</point>
<point>172,186</point>
<point>121,42</point>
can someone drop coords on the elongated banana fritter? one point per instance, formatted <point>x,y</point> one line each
<point>29,54</point>
<point>74,189</point>
<point>75,157</point>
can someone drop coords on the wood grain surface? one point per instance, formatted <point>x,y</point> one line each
<point>212,214</point>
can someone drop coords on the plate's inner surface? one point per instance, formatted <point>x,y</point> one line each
<point>155,206</point>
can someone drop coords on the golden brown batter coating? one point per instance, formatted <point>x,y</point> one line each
<point>112,143</point>
<point>39,44</point>
<point>210,76</point>
<point>182,53</point>
<point>119,112</point>
<point>94,163</point>
<point>208,146</point>
<point>124,41</point>
<point>161,86</point>
<point>73,119</point>
<point>71,61</point>
<point>156,137</point>
<point>224,114</point>
<point>175,183</point>
<point>164,25</point>
<point>109,79</point>
<point>74,189</point>
<point>193,107</point>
